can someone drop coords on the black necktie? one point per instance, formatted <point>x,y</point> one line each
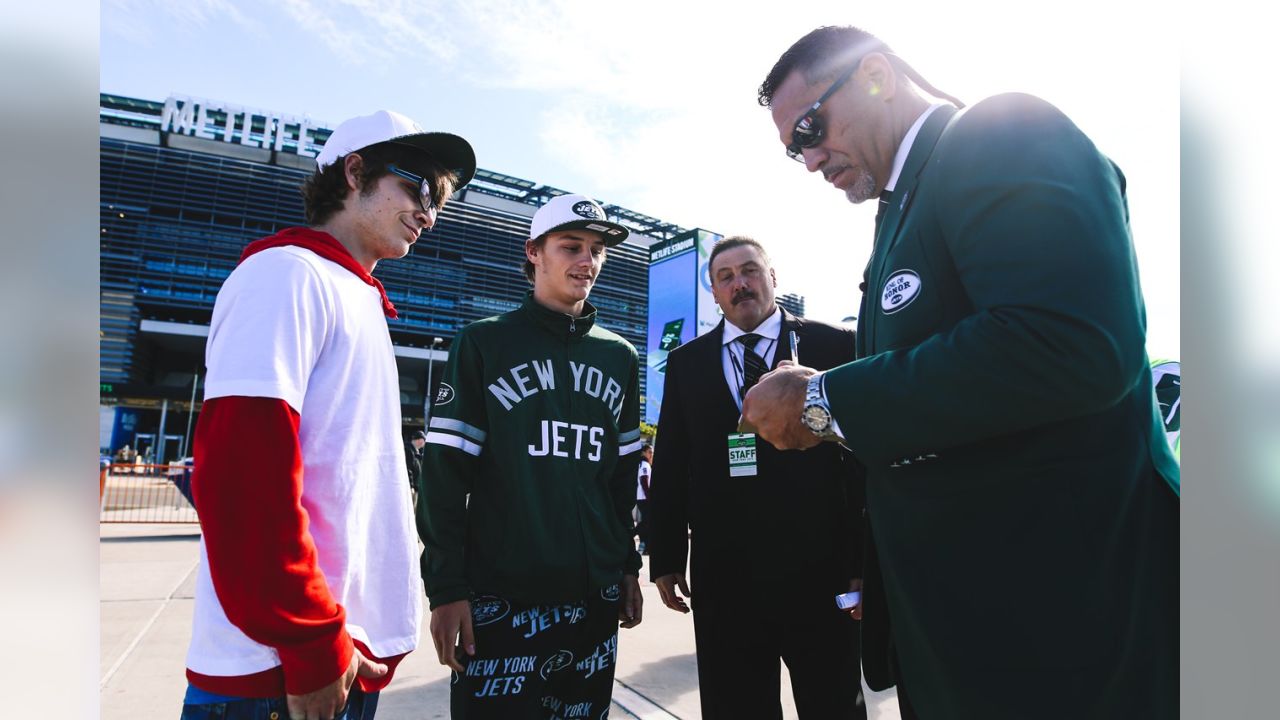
<point>752,364</point>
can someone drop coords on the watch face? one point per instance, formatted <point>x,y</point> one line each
<point>816,418</point>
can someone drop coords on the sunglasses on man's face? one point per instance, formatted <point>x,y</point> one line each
<point>425,194</point>
<point>809,129</point>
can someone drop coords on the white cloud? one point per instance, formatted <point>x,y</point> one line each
<point>652,105</point>
<point>138,21</point>
<point>658,114</point>
<point>375,32</point>
<point>347,44</point>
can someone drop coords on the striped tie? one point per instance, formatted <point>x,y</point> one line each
<point>753,365</point>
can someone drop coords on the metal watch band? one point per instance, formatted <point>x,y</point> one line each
<point>813,398</point>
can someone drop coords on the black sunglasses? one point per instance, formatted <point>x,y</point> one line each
<point>809,129</point>
<point>426,196</point>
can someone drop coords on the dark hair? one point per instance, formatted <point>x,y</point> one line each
<point>730,243</point>
<point>824,52</point>
<point>324,193</point>
<point>540,242</point>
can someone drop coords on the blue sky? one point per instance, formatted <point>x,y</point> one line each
<point>652,105</point>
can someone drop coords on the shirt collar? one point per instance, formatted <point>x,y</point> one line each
<point>561,324</point>
<point>769,329</point>
<point>904,149</point>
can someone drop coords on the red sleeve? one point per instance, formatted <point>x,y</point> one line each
<point>247,486</point>
<point>373,685</point>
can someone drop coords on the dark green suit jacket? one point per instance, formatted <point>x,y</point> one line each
<point>1024,559</point>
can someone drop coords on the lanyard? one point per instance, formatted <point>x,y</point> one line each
<point>739,374</point>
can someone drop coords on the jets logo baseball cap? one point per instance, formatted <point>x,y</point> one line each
<point>575,212</point>
<point>383,126</point>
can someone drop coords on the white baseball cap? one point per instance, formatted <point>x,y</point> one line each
<point>358,133</point>
<point>575,212</point>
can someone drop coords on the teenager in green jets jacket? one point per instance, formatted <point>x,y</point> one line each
<point>527,486</point>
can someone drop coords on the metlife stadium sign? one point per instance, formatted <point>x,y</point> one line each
<point>215,120</point>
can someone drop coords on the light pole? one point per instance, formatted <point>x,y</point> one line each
<point>426,396</point>
<point>191,415</point>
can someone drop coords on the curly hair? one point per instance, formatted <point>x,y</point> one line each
<point>324,193</point>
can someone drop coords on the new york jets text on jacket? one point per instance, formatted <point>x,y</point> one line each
<point>537,420</point>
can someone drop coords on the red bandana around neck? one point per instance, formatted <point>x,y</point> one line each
<point>327,247</point>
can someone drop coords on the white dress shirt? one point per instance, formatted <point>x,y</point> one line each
<point>904,147</point>
<point>731,351</point>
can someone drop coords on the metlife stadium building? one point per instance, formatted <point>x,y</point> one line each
<point>186,183</point>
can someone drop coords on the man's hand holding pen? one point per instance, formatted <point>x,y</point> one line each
<point>772,408</point>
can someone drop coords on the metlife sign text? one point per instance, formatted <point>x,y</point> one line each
<point>666,250</point>
<point>252,128</point>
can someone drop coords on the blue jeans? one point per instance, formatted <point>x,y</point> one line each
<point>197,706</point>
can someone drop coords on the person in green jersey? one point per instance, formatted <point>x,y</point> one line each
<point>527,486</point>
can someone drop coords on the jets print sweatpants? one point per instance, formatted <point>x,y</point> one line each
<point>539,662</point>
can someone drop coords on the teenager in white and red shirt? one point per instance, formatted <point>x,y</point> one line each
<point>308,594</point>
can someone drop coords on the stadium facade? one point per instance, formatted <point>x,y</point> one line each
<point>793,303</point>
<point>186,183</point>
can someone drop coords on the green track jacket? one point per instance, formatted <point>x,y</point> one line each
<point>537,419</point>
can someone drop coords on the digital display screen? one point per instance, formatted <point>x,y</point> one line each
<point>673,303</point>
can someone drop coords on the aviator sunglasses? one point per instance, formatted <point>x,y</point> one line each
<point>425,193</point>
<point>809,129</point>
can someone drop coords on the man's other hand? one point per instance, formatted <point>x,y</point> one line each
<point>855,612</point>
<point>667,585</point>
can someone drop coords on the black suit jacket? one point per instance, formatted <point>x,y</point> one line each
<point>796,522</point>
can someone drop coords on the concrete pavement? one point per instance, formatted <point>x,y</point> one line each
<point>146,582</point>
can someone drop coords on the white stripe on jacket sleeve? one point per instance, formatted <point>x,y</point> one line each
<point>454,441</point>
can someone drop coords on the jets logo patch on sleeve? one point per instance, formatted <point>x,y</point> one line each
<point>444,394</point>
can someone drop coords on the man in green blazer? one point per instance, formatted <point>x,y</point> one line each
<point>1023,558</point>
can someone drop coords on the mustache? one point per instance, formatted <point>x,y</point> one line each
<point>741,295</point>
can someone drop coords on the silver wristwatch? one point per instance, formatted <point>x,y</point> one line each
<point>817,414</point>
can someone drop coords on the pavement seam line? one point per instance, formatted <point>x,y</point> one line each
<point>146,628</point>
<point>638,705</point>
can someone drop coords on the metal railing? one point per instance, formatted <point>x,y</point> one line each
<point>136,493</point>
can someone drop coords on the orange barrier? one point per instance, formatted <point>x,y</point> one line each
<point>136,493</point>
